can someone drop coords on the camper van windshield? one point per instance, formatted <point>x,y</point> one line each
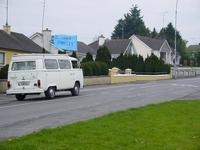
<point>24,65</point>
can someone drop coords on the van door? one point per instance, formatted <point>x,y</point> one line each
<point>66,74</point>
<point>52,73</point>
<point>23,75</point>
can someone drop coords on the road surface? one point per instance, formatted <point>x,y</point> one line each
<point>18,118</point>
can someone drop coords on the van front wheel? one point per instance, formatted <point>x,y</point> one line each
<point>20,97</point>
<point>75,91</point>
<point>50,93</point>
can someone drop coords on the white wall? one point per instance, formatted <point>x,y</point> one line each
<point>165,48</point>
<point>140,47</point>
<point>47,45</point>
<point>157,53</point>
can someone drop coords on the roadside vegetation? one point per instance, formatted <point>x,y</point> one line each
<point>170,125</point>
<point>151,65</point>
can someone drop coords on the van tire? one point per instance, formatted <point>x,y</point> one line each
<point>50,93</point>
<point>20,97</point>
<point>75,91</point>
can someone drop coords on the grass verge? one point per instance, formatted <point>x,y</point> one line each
<point>165,126</point>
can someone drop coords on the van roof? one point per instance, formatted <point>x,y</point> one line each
<point>31,56</point>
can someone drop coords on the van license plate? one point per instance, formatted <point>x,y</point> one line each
<point>23,83</point>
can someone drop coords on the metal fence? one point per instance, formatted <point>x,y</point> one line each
<point>183,72</point>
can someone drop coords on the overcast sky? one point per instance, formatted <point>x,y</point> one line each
<point>90,18</point>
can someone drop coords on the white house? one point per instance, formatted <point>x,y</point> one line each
<point>44,40</point>
<point>138,45</point>
<point>144,46</point>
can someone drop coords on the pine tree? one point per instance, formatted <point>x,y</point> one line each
<point>168,34</point>
<point>103,55</point>
<point>154,33</point>
<point>131,24</point>
<point>88,58</point>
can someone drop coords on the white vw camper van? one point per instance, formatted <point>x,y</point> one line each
<point>43,73</point>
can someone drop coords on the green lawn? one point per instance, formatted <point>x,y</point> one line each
<point>167,126</point>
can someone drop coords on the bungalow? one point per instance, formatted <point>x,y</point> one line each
<point>44,40</point>
<point>14,43</point>
<point>138,45</point>
<point>116,46</point>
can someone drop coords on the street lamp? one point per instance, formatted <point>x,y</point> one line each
<point>175,68</point>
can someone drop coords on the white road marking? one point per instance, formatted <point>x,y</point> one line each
<point>184,85</point>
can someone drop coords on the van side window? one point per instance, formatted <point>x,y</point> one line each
<point>64,64</point>
<point>75,64</point>
<point>51,64</point>
<point>23,65</point>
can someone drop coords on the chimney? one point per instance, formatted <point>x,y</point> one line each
<point>46,39</point>
<point>102,40</point>
<point>7,28</point>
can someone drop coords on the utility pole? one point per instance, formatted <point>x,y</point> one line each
<point>7,12</point>
<point>43,15</point>
<point>175,42</point>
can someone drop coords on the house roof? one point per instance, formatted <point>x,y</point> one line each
<point>153,43</point>
<point>83,48</point>
<point>194,47</point>
<point>116,46</point>
<point>19,42</point>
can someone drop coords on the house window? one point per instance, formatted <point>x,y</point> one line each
<point>2,58</point>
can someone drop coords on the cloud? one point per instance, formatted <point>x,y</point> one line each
<point>89,18</point>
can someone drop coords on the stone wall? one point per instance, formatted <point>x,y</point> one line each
<point>96,80</point>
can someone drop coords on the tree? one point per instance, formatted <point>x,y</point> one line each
<point>198,58</point>
<point>103,55</point>
<point>74,54</point>
<point>154,33</point>
<point>88,57</point>
<point>168,34</point>
<point>131,24</point>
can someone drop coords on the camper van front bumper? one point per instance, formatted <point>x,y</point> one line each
<point>27,91</point>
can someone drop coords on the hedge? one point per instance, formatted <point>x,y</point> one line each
<point>94,68</point>
<point>4,72</point>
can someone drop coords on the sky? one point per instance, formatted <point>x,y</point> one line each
<point>89,19</point>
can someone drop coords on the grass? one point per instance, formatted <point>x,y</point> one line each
<point>167,126</point>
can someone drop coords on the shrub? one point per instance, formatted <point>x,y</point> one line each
<point>88,58</point>
<point>87,69</point>
<point>152,64</point>
<point>103,55</point>
<point>4,72</point>
<point>94,68</point>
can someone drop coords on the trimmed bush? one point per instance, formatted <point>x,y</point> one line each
<point>151,65</point>
<point>88,58</point>
<point>94,68</point>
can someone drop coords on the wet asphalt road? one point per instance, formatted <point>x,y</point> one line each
<point>18,118</point>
